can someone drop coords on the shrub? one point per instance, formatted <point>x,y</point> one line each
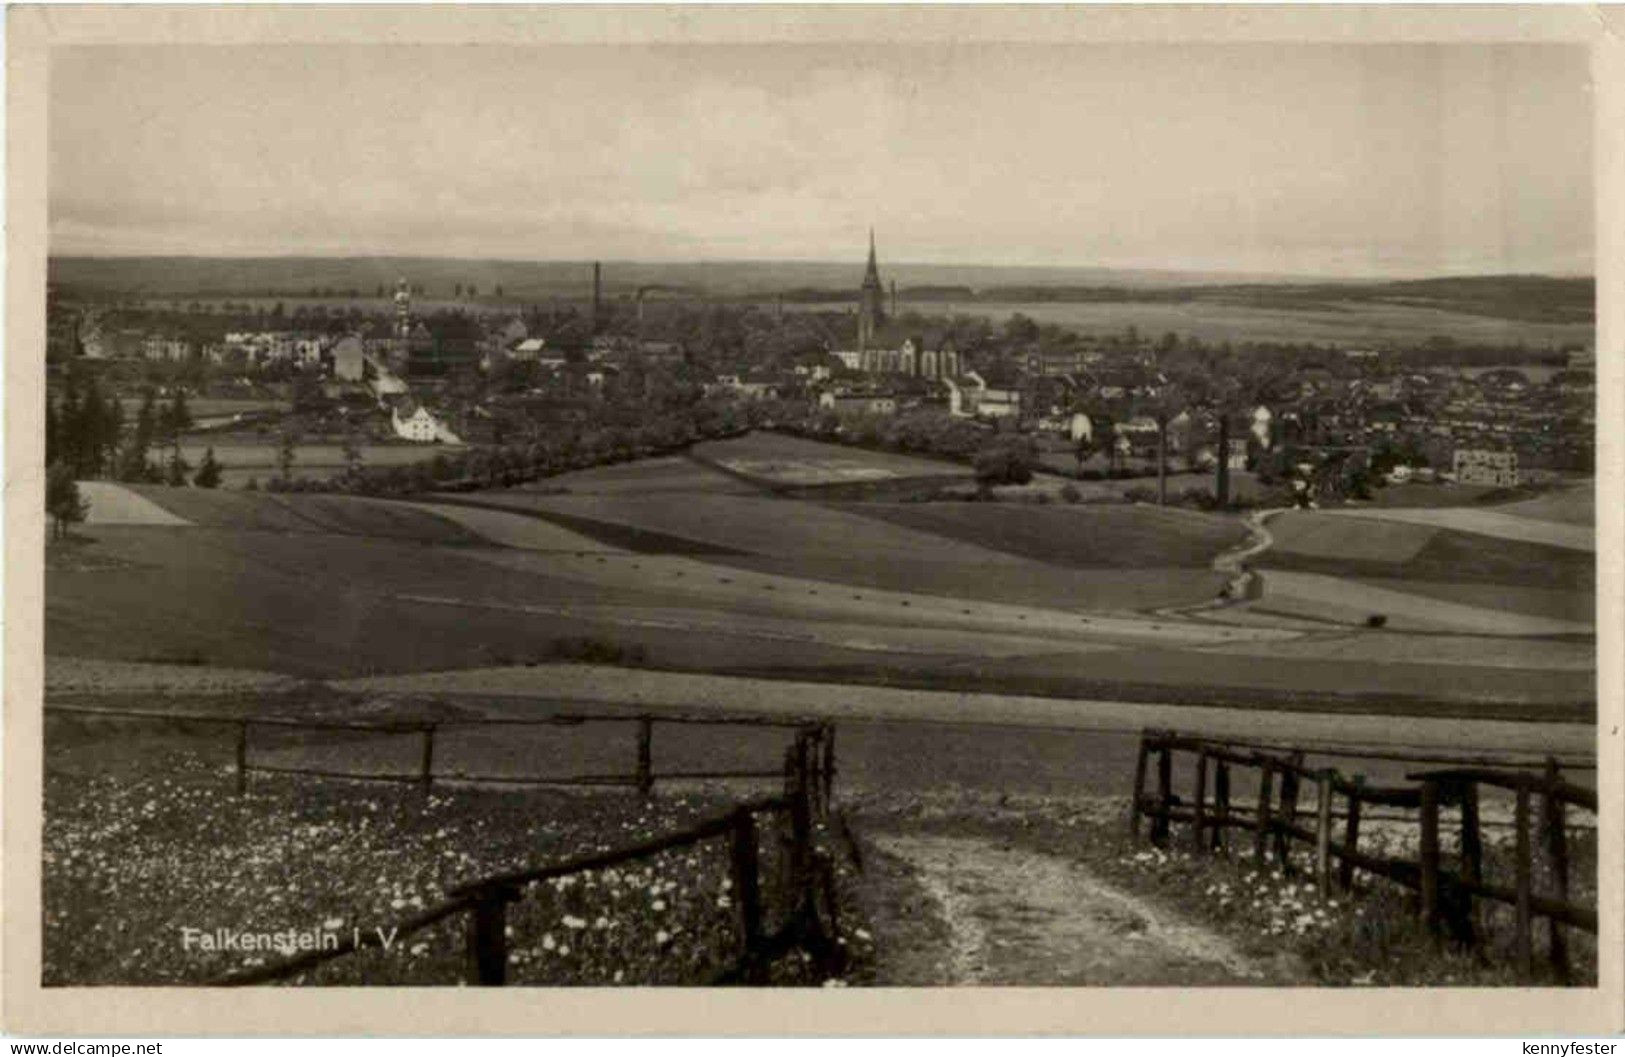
<point>1070,493</point>
<point>1140,494</point>
<point>1005,462</point>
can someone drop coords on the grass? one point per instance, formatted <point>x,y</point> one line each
<point>1305,534</point>
<point>757,525</point>
<point>1083,537</point>
<point>777,459</point>
<point>1558,603</point>
<point>1460,557</point>
<point>245,511</point>
<point>1344,323</point>
<point>145,841</point>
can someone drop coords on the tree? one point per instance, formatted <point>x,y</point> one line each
<point>177,418</point>
<point>208,471</point>
<point>1004,462</point>
<point>62,499</point>
<point>175,469</point>
<point>1163,409</point>
<point>287,442</point>
<point>352,457</point>
<point>1084,449</point>
<point>133,460</point>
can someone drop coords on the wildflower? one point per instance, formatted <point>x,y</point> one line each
<point>549,943</point>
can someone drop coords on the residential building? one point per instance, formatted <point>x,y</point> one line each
<point>1485,466</point>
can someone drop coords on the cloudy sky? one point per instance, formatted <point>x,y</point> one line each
<point>1316,159</point>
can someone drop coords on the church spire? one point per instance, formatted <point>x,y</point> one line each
<point>871,299</point>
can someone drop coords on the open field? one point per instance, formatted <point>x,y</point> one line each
<point>262,512</point>
<point>241,458</point>
<point>1054,600</point>
<point>1564,734</point>
<point>1343,600</point>
<point>1497,523</point>
<point>1315,535</point>
<point>1347,323</point>
<point>1571,505</point>
<point>1084,536</point>
<point>1451,556</point>
<point>662,474</point>
<point>1574,605</point>
<point>211,407</point>
<point>778,459</point>
<point>755,524</point>
<point>113,504</point>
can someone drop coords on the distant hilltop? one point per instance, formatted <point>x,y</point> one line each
<point>254,276</point>
<point>1566,300</point>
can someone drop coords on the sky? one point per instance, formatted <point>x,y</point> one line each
<point>1361,160</point>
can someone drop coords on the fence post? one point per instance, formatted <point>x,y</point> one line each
<point>1221,806</point>
<point>488,936</point>
<point>1137,807</point>
<point>1430,854</point>
<point>1525,926</point>
<point>1199,806</point>
<point>813,774</point>
<point>747,889</point>
<point>1162,821</point>
<point>1557,850</point>
<point>1472,859</point>
<point>242,758</point>
<point>426,775</point>
<point>829,766</point>
<point>1290,782</point>
<point>1266,790</point>
<point>1323,834</point>
<point>1351,835</point>
<point>800,823</point>
<point>646,770</point>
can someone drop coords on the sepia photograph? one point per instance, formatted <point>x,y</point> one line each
<point>896,513</point>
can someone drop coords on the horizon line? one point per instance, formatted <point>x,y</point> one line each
<point>656,262</point>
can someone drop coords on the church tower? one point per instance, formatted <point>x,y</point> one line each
<point>871,300</point>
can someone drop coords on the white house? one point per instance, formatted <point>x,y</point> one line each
<point>421,426</point>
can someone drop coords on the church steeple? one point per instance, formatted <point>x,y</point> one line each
<point>871,299</point>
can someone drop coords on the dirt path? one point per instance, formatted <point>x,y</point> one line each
<point>964,910</point>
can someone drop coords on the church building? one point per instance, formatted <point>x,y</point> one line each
<point>881,352</point>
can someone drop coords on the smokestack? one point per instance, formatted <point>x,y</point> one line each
<point>597,292</point>
<point>894,298</point>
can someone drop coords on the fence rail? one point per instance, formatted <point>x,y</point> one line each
<point>642,778</point>
<point>1446,897</point>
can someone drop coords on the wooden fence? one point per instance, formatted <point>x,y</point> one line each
<point>809,916</point>
<point>1446,897</point>
<point>642,775</point>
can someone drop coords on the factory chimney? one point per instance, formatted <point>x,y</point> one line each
<point>597,294</point>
